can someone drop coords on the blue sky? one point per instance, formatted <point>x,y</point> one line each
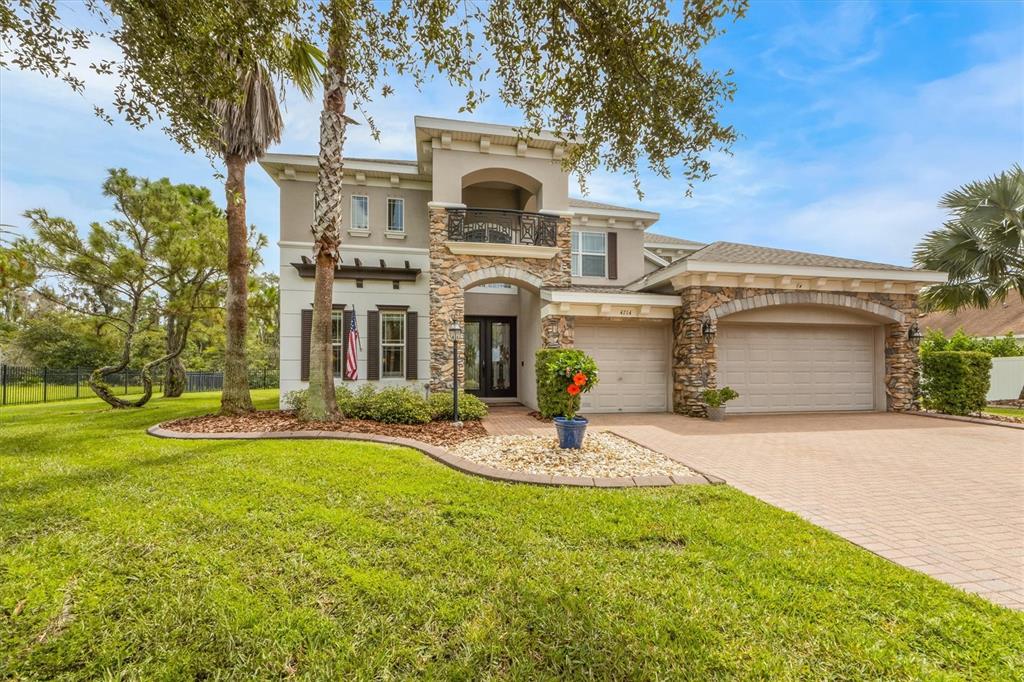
<point>855,118</point>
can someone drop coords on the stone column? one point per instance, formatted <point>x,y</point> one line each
<point>446,303</point>
<point>902,363</point>
<point>694,362</point>
<point>557,331</point>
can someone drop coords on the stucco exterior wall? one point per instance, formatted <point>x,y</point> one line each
<point>630,258</point>
<point>450,165</point>
<point>297,295</point>
<point>297,214</point>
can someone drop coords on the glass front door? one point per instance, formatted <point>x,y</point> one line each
<point>490,356</point>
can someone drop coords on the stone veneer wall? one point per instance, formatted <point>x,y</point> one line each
<point>695,364</point>
<point>448,270</point>
<point>558,331</point>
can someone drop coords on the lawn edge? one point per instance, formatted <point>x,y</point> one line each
<point>448,459</point>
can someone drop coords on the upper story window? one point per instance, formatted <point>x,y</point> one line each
<point>360,212</point>
<point>396,215</point>
<point>392,344</point>
<point>589,254</point>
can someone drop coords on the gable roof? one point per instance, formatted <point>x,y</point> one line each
<point>734,258</point>
<point>732,252</point>
<point>995,320</point>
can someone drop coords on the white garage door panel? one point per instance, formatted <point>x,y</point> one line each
<point>797,368</point>
<point>633,362</point>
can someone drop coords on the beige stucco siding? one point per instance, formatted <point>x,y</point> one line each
<point>297,214</point>
<point>630,255</point>
<point>297,295</point>
<point>451,165</point>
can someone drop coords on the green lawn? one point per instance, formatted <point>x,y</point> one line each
<point>1006,411</point>
<point>126,556</point>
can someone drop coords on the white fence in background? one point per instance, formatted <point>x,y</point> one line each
<point>1007,378</point>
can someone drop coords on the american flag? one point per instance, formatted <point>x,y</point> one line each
<point>351,361</point>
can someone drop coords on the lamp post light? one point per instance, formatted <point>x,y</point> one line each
<point>455,333</point>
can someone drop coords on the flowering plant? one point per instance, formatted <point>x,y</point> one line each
<point>575,373</point>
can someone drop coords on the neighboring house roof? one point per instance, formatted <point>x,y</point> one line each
<point>666,240</point>
<point>731,252</point>
<point>995,320</point>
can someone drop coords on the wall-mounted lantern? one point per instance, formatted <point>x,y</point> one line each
<point>914,335</point>
<point>707,330</point>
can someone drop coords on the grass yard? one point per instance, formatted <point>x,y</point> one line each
<point>1005,411</point>
<point>125,556</point>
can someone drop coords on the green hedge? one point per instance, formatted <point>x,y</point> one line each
<point>955,382</point>
<point>552,400</point>
<point>471,408</point>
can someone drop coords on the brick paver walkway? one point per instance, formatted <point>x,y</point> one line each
<point>942,497</point>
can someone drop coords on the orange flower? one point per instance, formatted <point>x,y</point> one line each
<point>573,389</point>
<point>579,379</point>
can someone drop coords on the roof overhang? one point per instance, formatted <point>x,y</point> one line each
<point>306,166</point>
<point>682,268</point>
<point>617,297</point>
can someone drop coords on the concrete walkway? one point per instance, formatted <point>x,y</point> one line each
<point>942,497</point>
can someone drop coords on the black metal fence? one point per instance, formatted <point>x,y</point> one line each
<point>22,385</point>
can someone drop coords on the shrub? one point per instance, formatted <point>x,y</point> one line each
<point>297,400</point>
<point>471,408</point>
<point>955,382</point>
<point>400,406</point>
<point>1000,347</point>
<point>716,397</point>
<point>563,376</point>
<point>358,405</point>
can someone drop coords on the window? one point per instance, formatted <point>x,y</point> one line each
<point>337,341</point>
<point>589,250</point>
<point>392,344</point>
<point>396,215</point>
<point>360,212</point>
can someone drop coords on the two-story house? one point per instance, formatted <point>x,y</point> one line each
<point>480,229</point>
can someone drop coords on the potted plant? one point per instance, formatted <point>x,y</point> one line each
<point>715,400</point>
<point>575,374</point>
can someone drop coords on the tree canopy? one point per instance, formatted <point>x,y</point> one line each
<point>981,244</point>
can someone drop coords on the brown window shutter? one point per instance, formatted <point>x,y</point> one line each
<point>373,345</point>
<point>307,335</point>
<point>411,345</point>
<point>613,255</point>
<point>347,324</point>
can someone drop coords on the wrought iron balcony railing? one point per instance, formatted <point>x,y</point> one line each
<point>500,226</point>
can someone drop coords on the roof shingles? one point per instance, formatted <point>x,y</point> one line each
<point>731,252</point>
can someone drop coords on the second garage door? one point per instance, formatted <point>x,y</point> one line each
<point>797,368</point>
<point>633,362</point>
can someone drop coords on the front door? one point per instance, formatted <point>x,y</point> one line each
<point>491,356</point>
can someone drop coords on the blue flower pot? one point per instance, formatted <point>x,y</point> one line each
<point>570,432</point>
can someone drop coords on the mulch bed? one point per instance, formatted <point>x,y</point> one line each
<point>1015,402</point>
<point>443,434</point>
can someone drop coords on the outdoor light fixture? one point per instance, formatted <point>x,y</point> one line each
<point>455,333</point>
<point>915,335</point>
<point>707,330</point>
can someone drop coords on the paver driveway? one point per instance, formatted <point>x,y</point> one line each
<point>942,497</point>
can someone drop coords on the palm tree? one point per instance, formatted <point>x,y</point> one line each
<point>249,126</point>
<point>981,245</point>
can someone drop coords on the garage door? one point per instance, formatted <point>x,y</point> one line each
<point>797,368</point>
<point>633,361</point>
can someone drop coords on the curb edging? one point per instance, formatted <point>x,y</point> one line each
<point>444,457</point>
<point>969,420</point>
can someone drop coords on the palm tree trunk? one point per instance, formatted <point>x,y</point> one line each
<point>321,403</point>
<point>235,398</point>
